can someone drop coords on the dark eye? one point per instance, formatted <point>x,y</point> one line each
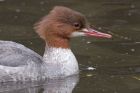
<point>77,25</point>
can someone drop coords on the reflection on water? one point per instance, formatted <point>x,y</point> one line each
<point>117,60</point>
<point>65,85</point>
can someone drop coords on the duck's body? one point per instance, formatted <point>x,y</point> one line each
<point>14,54</point>
<point>20,63</point>
<point>23,63</point>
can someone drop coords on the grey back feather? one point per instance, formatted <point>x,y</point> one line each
<point>13,54</point>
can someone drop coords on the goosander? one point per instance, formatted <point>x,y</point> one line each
<point>57,28</point>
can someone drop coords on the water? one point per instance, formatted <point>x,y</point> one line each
<point>117,60</point>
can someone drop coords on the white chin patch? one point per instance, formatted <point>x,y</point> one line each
<point>77,34</point>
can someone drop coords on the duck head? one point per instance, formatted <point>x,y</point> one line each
<point>63,23</point>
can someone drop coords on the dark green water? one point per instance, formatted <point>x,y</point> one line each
<point>117,60</point>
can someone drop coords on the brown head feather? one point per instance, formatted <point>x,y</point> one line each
<point>58,24</point>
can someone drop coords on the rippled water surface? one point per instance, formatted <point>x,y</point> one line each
<point>117,60</point>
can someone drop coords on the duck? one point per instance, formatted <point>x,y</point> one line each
<point>18,62</point>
